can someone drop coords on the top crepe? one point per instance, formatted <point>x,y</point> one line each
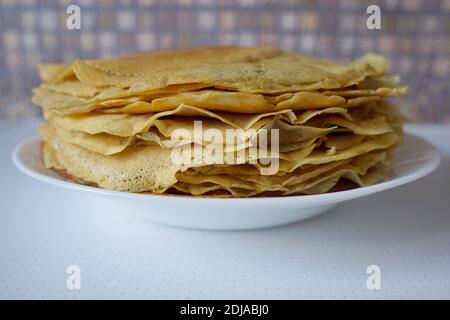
<point>252,70</point>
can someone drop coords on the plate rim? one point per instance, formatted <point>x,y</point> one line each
<point>306,200</point>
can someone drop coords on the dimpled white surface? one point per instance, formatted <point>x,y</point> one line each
<point>44,229</point>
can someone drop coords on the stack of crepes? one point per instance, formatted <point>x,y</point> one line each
<point>110,122</point>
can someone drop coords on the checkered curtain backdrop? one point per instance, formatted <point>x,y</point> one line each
<point>414,35</point>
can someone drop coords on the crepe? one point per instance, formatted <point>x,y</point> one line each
<point>263,70</point>
<point>244,122</point>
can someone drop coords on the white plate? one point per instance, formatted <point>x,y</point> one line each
<point>415,158</point>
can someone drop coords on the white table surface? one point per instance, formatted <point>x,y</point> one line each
<point>44,229</point>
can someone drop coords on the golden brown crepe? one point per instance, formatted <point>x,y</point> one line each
<point>111,122</point>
